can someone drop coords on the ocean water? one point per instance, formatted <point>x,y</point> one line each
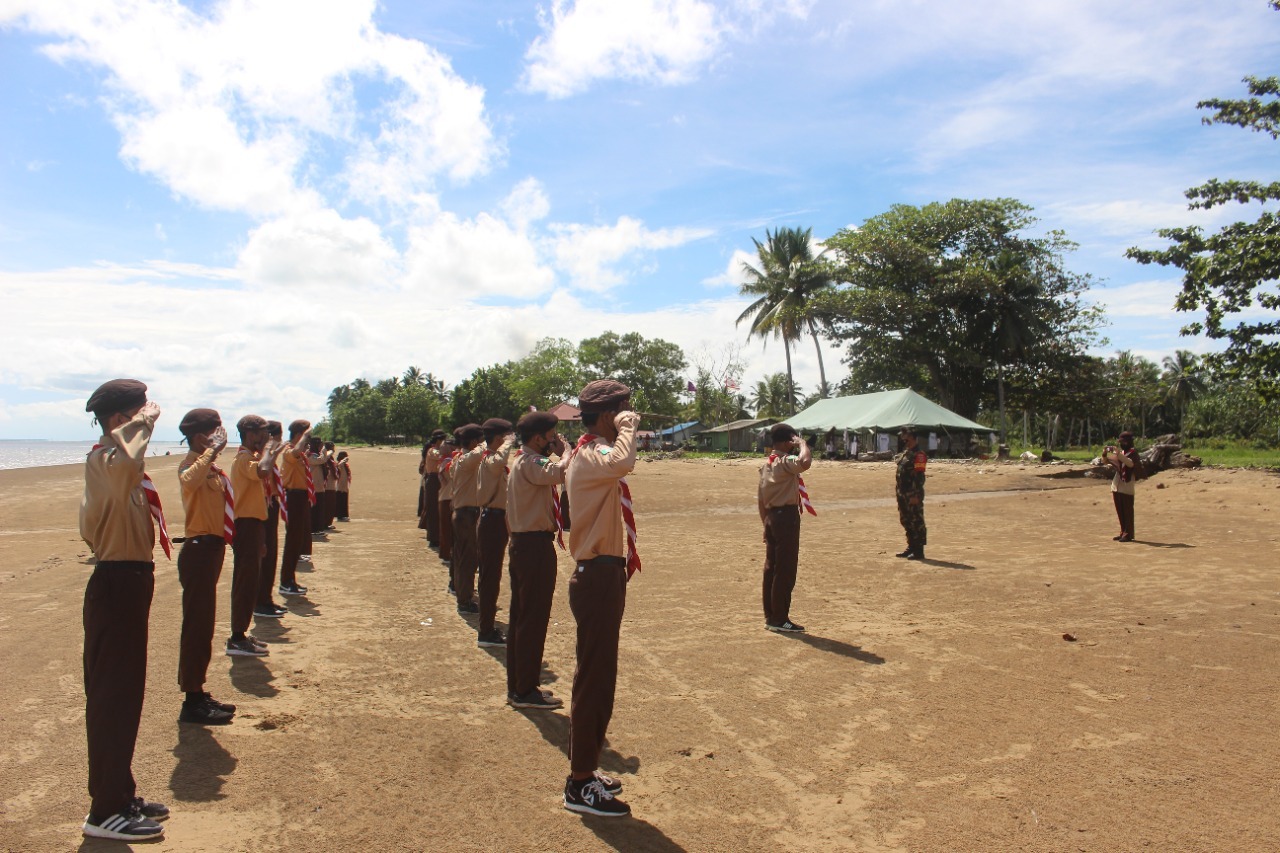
<point>25,453</point>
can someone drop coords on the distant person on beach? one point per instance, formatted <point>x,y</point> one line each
<point>210,526</point>
<point>603,546</point>
<point>116,521</point>
<point>299,496</point>
<point>779,501</point>
<point>1124,460</point>
<point>533,514</point>
<point>251,468</point>
<point>343,508</point>
<point>273,487</point>
<point>466,515</point>
<point>909,490</point>
<point>491,531</point>
<point>430,511</point>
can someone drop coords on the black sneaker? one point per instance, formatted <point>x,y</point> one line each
<point>491,640</point>
<point>612,785</point>
<point>221,706</point>
<point>536,700</point>
<point>155,811</point>
<point>907,553</point>
<point>269,612</point>
<point>127,825</point>
<point>245,648</point>
<point>590,797</point>
<point>469,608</point>
<point>292,589</point>
<point>788,627</point>
<point>916,555</point>
<point>203,714</point>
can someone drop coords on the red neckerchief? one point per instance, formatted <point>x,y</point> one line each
<point>157,511</point>
<point>555,510</point>
<point>228,503</point>
<point>311,481</point>
<point>628,512</point>
<point>804,492</point>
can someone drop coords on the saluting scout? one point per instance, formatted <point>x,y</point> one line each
<point>299,496</point>
<point>248,472</point>
<point>491,531</point>
<point>779,499</point>
<point>466,515</point>
<point>909,488</point>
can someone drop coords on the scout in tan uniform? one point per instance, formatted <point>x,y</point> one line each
<point>299,495</point>
<point>252,466</point>
<point>491,532</point>
<point>116,523</point>
<point>330,486</point>
<point>598,588</point>
<point>430,512</point>
<point>206,500</point>
<point>466,515</point>
<point>448,451</point>
<point>532,512</point>
<point>273,487</point>
<point>343,464</point>
<point>779,500</point>
<point>318,458</point>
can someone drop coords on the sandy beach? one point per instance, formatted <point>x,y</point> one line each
<point>930,707</point>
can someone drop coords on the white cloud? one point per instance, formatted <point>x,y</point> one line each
<point>732,275</point>
<point>590,254</point>
<point>319,248</point>
<point>453,258</point>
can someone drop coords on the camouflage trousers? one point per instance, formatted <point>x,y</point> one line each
<point>912,518</point>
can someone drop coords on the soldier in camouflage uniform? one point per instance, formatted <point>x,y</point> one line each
<point>909,487</point>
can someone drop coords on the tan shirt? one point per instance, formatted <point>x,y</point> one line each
<point>492,484</point>
<point>293,467</point>
<point>432,463</point>
<point>318,468</point>
<point>115,520</point>
<point>246,482</point>
<point>595,498</point>
<point>446,482</point>
<point>530,484</point>
<point>344,477</point>
<point>466,477</point>
<point>780,482</point>
<point>203,498</point>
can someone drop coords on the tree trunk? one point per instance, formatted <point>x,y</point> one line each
<point>1004,425</point>
<point>791,382</point>
<point>822,371</point>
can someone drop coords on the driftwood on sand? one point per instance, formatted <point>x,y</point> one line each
<point>1164,453</point>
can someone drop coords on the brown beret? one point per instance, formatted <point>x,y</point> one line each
<point>536,423</point>
<point>909,429</point>
<point>251,422</point>
<point>468,432</point>
<point>299,426</point>
<point>496,426</point>
<point>437,434</point>
<point>118,395</point>
<point>197,421</point>
<point>782,432</point>
<point>275,428</point>
<point>603,395</point>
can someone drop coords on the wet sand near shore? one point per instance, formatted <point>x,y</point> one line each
<point>930,706</point>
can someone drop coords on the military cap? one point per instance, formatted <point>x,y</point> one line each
<point>781,432</point>
<point>118,395</point>
<point>251,422</point>
<point>299,426</point>
<point>197,421</point>
<point>536,423</point>
<point>603,395</point>
<point>275,429</point>
<point>908,429</point>
<point>468,432</point>
<point>496,426</point>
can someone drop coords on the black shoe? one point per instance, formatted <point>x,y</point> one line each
<point>788,627</point>
<point>917,554</point>
<point>491,640</point>
<point>612,785</point>
<point>536,700</point>
<point>590,797</point>
<point>155,811</point>
<point>907,553</point>
<point>203,714</point>
<point>128,825</point>
<point>469,608</point>
<point>1125,538</point>
<point>221,706</point>
<point>269,612</point>
<point>292,589</point>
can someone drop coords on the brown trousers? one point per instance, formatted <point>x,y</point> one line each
<point>1124,512</point>
<point>491,547</point>
<point>781,559</point>
<point>297,535</point>
<point>344,505</point>
<point>199,566</point>
<point>597,597</point>
<point>532,566</point>
<point>330,506</point>
<point>248,547</point>
<point>117,605</point>
<point>446,530</point>
<point>431,508</point>
<point>317,512</point>
<point>267,570</point>
<point>466,555</point>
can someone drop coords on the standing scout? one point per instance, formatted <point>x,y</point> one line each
<point>448,453</point>
<point>343,464</point>
<point>1125,462</point>
<point>466,515</point>
<point>252,466</point>
<point>780,497</point>
<point>210,526</point>
<point>330,486</point>
<point>909,487</point>
<point>273,488</point>
<point>533,514</point>
<point>603,532</point>
<point>116,522</point>
<point>430,510</point>
<point>317,459</point>
<point>299,496</point>
<point>491,531</point>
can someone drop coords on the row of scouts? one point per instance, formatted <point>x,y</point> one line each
<point>121,517</point>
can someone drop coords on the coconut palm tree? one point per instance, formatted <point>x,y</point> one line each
<point>1183,379</point>
<point>413,376</point>
<point>769,397</point>
<point>784,283</point>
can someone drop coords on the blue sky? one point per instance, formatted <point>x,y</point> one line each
<point>245,203</point>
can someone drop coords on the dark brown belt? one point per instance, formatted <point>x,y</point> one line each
<point>136,565</point>
<point>540,533</point>
<point>612,562</point>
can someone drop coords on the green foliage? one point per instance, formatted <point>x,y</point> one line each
<point>772,397</point>
<point>548,375</point>
<point>651,368</point>
<point>1231,274</point>
<point>485,394</point>
<point>955,290</point>
<point>1234,409</point>
<point>412,411</point>
<point>362,416</point>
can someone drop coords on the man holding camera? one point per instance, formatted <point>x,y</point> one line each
<point>1124,460</point>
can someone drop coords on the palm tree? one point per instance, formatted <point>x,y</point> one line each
<point>414,376</point>
<point>784,283</point>
<point>769,396</point>
<point>1183,379</point>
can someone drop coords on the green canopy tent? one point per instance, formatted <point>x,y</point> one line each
<point>883,411</point>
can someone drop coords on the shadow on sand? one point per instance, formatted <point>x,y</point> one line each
<point>251,675</point>
<point>630,833</point>
<point>554,728</point>
<point>837,647</point>
<point>203,765</point>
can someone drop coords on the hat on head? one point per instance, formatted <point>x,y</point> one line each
<point>603,395</point>
<point>468,433</point>
<point>1126,434</point>
<point>909,429</point>
<point>118,395</point>
<point>197,421</point>
<point>299,426</point>
<point>275,428</point>
<point>782,432</point>
<point>536,423</point>
<point>251,422</point>
<point>437,434</point>
<point>496,426</point>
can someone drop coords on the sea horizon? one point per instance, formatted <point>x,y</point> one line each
<point>43,452</point>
